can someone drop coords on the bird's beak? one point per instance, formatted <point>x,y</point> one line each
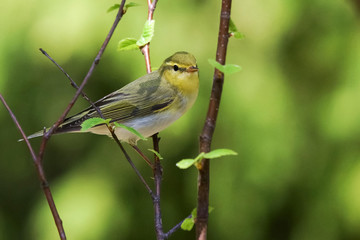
<point>192,69</point>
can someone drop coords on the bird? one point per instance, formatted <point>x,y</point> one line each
<point>149,104</point>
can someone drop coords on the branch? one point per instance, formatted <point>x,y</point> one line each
<point>146,49</point>
<point>210,123</point>
<point>156,197</point>
<point>175,228</point>
<point>38,159</point>
<point>88,75</point>
<point>72,82</point>
<point>41,174</point>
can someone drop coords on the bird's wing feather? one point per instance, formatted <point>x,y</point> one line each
<point>136,99</point>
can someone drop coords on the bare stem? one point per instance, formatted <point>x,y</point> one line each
<point>156,198</point>
<point>72,82</point>
<point>40,172</point>
<point>210,123</point>
<point>175,228</point>
<point>130,161</point>
<point>38,159</point>
<point>136,148</point>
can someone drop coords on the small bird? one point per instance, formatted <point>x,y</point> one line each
<point>148,105</point>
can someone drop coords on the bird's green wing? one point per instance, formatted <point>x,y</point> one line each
<point>138,99</point>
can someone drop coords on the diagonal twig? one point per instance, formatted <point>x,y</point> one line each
<point>72,82</point>
<point>47,134</point>
<point>41,174</point>
<point>111,130</point>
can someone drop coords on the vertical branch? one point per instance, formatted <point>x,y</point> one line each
<point>146,49</point>
<point>210,123</point>
<point>157,168</point>
<point>156,197</point>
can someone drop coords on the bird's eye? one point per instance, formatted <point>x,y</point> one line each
<point>176,67</point>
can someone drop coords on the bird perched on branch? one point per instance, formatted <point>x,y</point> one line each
<point>148,105</point>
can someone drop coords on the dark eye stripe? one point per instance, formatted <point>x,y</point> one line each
<point>169,67</point>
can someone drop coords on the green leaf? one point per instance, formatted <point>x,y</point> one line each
<point>128,5</point>
<point>194,213</point>
<point>131,4</point>
<point>114,7</point>
<point>210,209</point>
<point>185,163</point>
<point>227,68</point>
<point>147,34</point>
<point>188,224</point>
<point>199,157</point>
<point>127,44</point>
<point>219,153</point>
<point>89,123</point>
<point>156,153</point>
<point>233,30</point>
<point>130,129</point>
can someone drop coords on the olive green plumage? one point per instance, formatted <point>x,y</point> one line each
<point>148,104</point>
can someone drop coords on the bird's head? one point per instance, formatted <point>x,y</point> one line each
<point>181,71</point>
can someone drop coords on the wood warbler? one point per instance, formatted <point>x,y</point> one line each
<point>149,104</point>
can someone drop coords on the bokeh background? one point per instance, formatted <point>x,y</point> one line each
<point>292,115</point>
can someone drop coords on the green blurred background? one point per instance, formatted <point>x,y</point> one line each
<point>292,114</point>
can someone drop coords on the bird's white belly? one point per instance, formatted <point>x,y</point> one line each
<point>146,126</point>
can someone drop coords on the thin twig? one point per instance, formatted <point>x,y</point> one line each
<point>131,162</point>
<point>175,228</point>
<point>146,49</point>
<point>38,159</point>
<point>137,149</point>
<point>210,123</point>
<point>157,169</point>
<point>89,73</point>
<point>41,174</point>
<point>72,82</point>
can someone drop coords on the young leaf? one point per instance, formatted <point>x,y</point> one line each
<point>194,213</point>
<point>188,224</point>
<point>199,157</point>
<point>147,34</point>
<point>233,30</point>
<point>114,7</point>
<point>156,153</point>
<point>127,44</point>
<point>131,4</point>
<point>130,129</point>
<point>210,209</point>
<point>185,163</point>
<point>227,68</point>
<point>128,5</point>
<point>219,153</point>
<point>89,123</point>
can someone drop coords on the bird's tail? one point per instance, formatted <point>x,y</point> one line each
<point>34,135</point>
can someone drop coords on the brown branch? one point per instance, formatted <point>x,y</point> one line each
<point>175,228</point>
<point>41,174</point>
<point>137,149</point>
<point>130,161</point>
<point>72,82</point>
<point>210,123</point>
<point>111,130</point>
<point>157,170</point>
<point>88,75</point>
<point>146,49</point>
<point>47,134</point>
